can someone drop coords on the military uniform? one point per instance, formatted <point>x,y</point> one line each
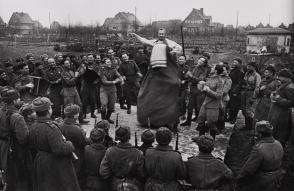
<point>16,161</point>
<point>123,163</point>
<point>108,91</point>
<point>205,172</point>
<point>196,97</point>
<point>53,75</point>
<point>130,70</point>
<point>164,167</point>
<point>94,154</point>
<point>53,167</point>
<point>74,133</point>
<point>211,106</point>
<point>262,169</point>
<point>234,104</point>
<point>248,95</point>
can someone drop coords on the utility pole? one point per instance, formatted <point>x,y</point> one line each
<point>136,19</point>
<point>237,25</point>
<point>269,19</point>
<point>49,21</point>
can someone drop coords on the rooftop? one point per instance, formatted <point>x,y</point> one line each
<point>260,31</point>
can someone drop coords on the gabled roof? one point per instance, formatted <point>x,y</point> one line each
<point>261,31</point>
<point>20,18</point>
<point>198,12</point>
<point>123,17</point>
<point>37,24</point>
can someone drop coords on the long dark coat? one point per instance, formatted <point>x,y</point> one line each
<point>53,167</point>
<point>262,172</point>
<point>280,115</point>
<point>237,77</point>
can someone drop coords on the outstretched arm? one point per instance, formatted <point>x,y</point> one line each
<point>142,40</point>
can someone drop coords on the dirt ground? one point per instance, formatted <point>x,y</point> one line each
<point>186,146</point>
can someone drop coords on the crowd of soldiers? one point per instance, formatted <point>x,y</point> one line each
<point>44,104</point>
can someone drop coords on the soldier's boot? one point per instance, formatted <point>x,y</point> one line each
<point>108,115</point>
<point>82,121</point>
<point>248,123</point>
<point>129,111</point>
<point>103,114</point>
<point>188,121</point>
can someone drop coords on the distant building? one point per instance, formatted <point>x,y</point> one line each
<point>55,26</point>
<point>198,22</point>
<point>274,40</point>
<point>21,23</point>
<point>168,25</point>
<point>123,21</point>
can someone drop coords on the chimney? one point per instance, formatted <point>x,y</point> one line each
<point>201,10</point>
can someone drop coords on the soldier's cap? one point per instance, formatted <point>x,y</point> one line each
<point>122,133</point>
<point>286,73</point>
<point>9,94</point>
<point>206,55</point>
<point>147,136</point>
<point>263,127</point>
<point>204,141</point>
<point>163,136</point>
<point>205,59</point>
<point>97,134</point>
<point>28,55</point>
<point>26,109</point>
<point>41,104</point>
<point>103,124</point>
<point>71,109</point>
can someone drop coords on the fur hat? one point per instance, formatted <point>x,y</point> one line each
<point>286,73</point>
<point>264,127</point>
<point>71,109</point>
<point>97,134</point>
<point>123,133</point>
<point>41,104</point>
<point>147,136</point>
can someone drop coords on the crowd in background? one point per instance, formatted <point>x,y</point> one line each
<point>40,153</point>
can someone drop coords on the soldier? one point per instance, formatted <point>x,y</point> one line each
<point>123,164</point>
<point>196,97</point>
<point>209,112</point>
<point>108,141</point>
<point>11,76</point>
<point>183,69</point>
<point>30,62</point>
<point>237,77</point>
<point>69,91</point>
<point>90,79</point>
<point>3,78</point>
<point>53,167</point>
<point>147,138</point>
<point>280,111</point>
<point>24,83</point>
<point>109,77</point>
<point>142,60</point>
<point>53,76</point>
<point>74,133</point>
<point>267,86</point>
<point>250,89</point>
<point>15,156</point>
<point>130,73</point>
<point>217,174</point>
<point>262,170</point>
<point>163,165</point>
<point>94,154</point>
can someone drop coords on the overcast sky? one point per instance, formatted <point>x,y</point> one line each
<point>90,12</point>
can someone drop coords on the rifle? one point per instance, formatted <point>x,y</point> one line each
<point>183,44</point>
<point>95,122</point>
<point>61,111</point>
<point>177,142</point>
<point>148,122</point>
<point>116,122</point>
<point>136,140</point>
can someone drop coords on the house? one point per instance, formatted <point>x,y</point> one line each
<point>273,40</point>
<point>55,26</point>
<point>123,21</point>
<point>198,22</point>
<point>169,25</point>
<point>21,23</point>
